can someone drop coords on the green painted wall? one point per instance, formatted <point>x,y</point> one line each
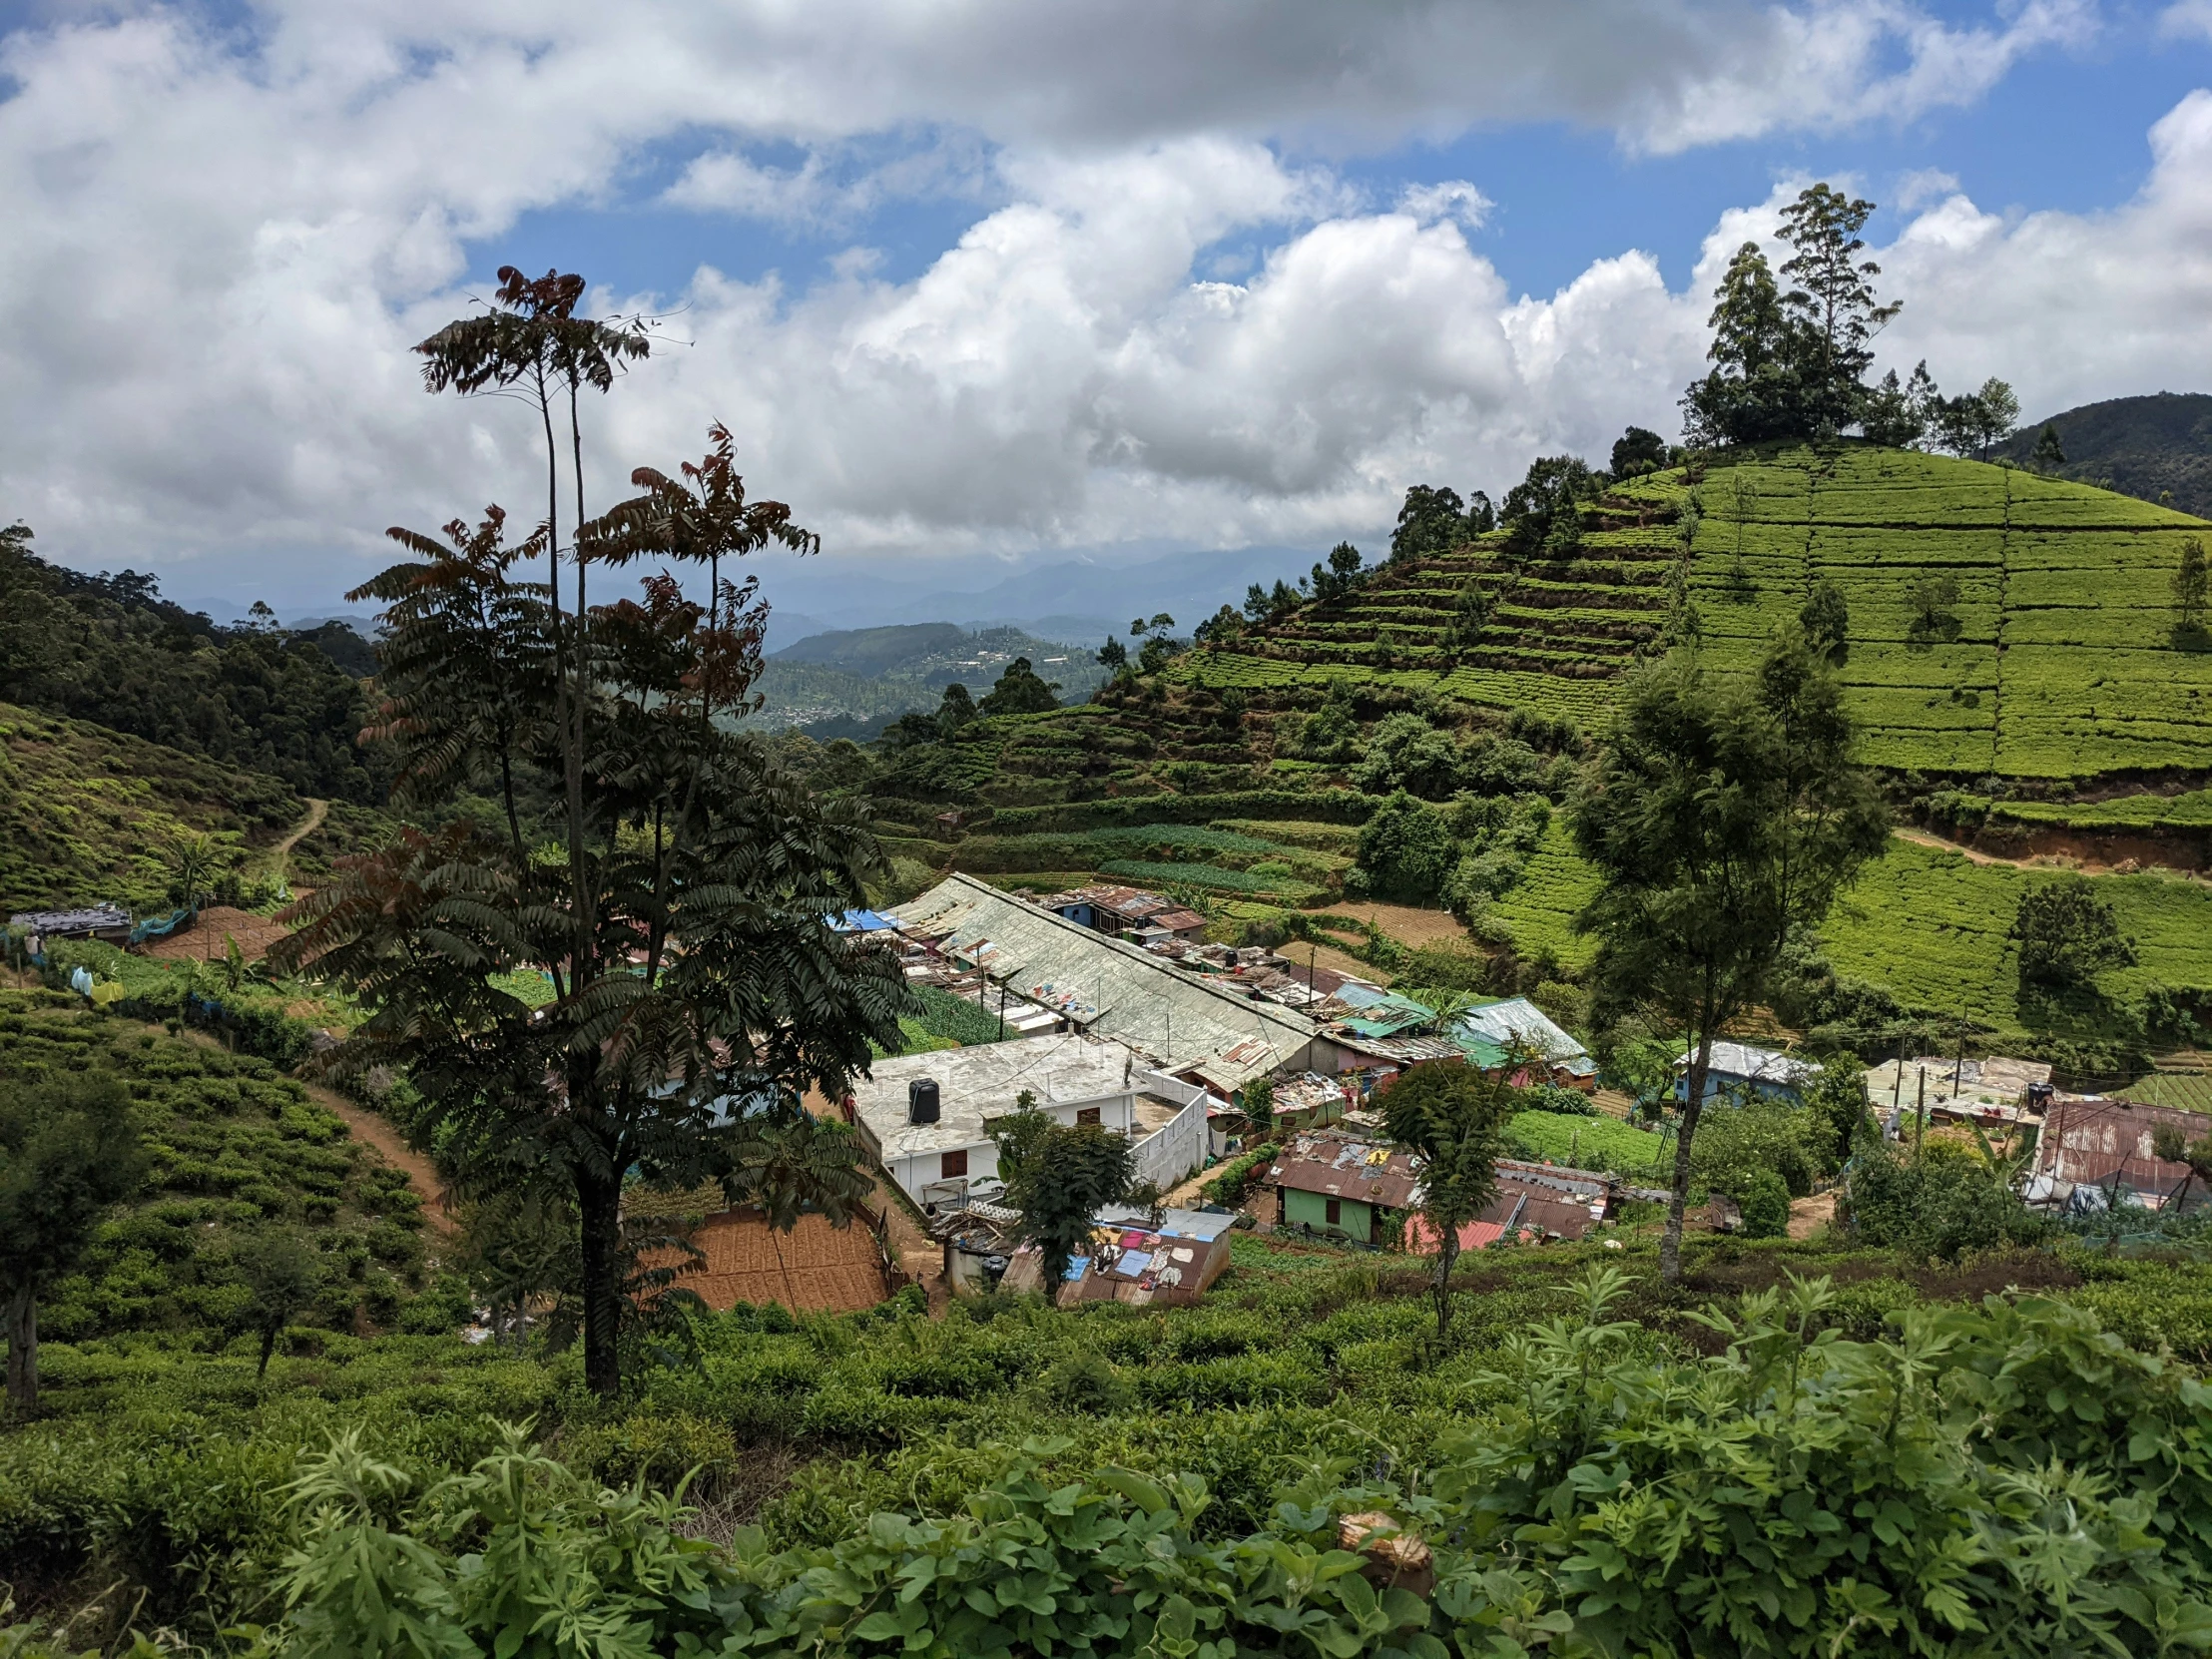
<point>1312,1209</point>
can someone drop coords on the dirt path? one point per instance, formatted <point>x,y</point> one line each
<point>373,1131</point>
<point>317,812</point>
<point>1405,924</point>
<point>1808,1215</point>
<point>1921,838</point>
<point>2045,862</point>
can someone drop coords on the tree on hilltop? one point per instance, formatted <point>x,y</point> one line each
<point>2049,454</point>
<point>1431,523</point>
<point>1832,304</point>
<point>1543,512</point>
<point>1020,691</point>
<point>1637,451</point>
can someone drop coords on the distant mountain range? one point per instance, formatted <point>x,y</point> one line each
<point>2141,446</point>
<point>850,682</point>
<point>1079,599</point>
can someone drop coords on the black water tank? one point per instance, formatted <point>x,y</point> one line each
<point>922,1100</point>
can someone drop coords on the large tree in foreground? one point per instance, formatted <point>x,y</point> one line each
<point>682,907</point>
<point>1721,814</point>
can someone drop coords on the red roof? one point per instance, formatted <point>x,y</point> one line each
<point>2089,1142</point>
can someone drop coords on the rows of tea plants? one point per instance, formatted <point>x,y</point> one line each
<point>1999,622</point>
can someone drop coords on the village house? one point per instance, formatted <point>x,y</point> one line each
<point>1342,1186</point>
<point>926,1116</point>
<point>1740,1066</point>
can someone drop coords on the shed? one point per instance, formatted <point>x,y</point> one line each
<point>1765,1072</point>
<point>2091,1150</point>
<point>1488,1032</point>
<point>110,923</point>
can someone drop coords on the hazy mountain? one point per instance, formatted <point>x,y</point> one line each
<point>1079,599</point>
<point>874,674</point>
<point>2140,446</point>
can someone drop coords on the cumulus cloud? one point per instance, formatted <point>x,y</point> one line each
<point>217,260</point>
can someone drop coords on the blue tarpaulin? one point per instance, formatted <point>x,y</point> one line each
<point>862,922</point>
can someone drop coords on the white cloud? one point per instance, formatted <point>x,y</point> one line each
<point>215,263</point>
<point>1453,199</point>
<point>2185,18</point>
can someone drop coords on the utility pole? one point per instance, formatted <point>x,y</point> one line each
<point>1920,1115</point>
<point>1958,1066</point>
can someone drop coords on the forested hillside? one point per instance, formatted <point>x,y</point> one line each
<point>2154,446</point>
<point>111,650</point>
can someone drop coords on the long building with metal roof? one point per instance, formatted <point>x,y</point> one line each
<point>1184,1022</point>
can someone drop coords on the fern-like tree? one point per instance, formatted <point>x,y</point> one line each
<point>68,1154</point>
<point>1454,1117</point>
<point>1720,815</point>
<point>683,910</point>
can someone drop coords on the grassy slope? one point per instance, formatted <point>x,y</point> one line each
<point>2065,664</point>
<point>1927,925</point>
<point>233,1145</point>
<point>84,813</point>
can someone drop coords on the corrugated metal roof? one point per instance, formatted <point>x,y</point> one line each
<point>2087,1142</point>
<point>1756,1065</point>
<point>1115,989</point>
<point>1486,1029</point>
<point>1336,1166</point>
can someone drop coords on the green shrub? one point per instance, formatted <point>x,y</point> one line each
<point>1941,1204</point>
<point>1765,1203</point>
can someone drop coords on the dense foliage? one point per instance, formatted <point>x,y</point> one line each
<point>232,1147</point>
<point>1971,1479</point>
<point>111,650</point>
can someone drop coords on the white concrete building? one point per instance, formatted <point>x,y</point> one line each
<point>1074,1079</point>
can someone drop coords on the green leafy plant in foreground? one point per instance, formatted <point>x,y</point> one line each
<point>2000,1480</point>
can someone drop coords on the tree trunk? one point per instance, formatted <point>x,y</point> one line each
<point>599,1209</point>
<point>1693,1106</point>
<point>22,1317</point>
<point>1447,1252</point>
<point>268,1347</point>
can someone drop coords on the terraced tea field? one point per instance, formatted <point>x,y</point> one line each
<point>2002,622</point>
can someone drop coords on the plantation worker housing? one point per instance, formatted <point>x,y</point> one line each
<point>927,1118</point>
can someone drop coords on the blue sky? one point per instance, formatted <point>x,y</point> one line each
<point>992,285</point>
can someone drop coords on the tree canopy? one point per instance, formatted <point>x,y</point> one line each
<point>683,917</point>
<point>1720,815</point>
<point>68,1154</point>
<point>1057,1176</point>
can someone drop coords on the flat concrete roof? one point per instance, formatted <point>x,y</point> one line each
<point>982,1082</point>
